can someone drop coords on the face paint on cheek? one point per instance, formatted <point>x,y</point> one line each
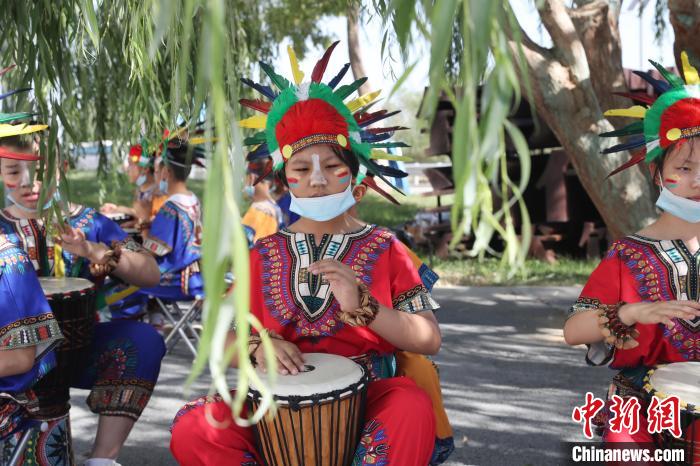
<point>293,182</point>
<point>343,175</point>
<point>672,181</point>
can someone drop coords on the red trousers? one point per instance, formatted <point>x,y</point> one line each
<point>399,430</point>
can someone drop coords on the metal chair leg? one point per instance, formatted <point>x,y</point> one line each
<point>178,331</point>
<point>21,446</point>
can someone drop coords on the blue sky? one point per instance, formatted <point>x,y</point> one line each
<point>636,50</point>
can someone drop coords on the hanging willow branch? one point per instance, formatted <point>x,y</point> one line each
<point>472,64</point>
<point>108,70</point>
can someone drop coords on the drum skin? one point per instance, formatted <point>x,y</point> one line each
<point>679,379</point>
<point>322,429</point>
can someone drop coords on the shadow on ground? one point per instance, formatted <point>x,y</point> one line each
<point>509,382</point>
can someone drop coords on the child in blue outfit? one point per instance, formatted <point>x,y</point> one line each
<point>175,237</point>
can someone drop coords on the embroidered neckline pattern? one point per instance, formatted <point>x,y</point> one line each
<point>29,234</point>
<point>663,270</point>
<point>293,295</point>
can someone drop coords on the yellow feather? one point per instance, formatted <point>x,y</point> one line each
<point>636,111</point>
<point>378,154</point>
<point>689,72</point>
<point>363,100</point>
<point>14,130</point>
<point>175,134</point>
<point>296,71</point>
<point>202,140</point>
<point>256,122</point>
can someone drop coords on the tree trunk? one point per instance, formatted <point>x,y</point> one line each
<point>354,49</point>
<point>565,97</point>
<point>596,24</point>
<point>685,19</point>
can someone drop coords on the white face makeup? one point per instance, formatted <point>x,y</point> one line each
<point>317,178</point>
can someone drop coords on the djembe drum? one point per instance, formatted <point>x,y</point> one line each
<point>681,379</point>
<point>72,302</point>
<point>319,417</point>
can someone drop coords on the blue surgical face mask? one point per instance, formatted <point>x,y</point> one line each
<point>685,209</point>
<point>323,208</point>
<point>248,191</point>
<point>140,180</point>
<point>47,205</point>
<point>163,186</point>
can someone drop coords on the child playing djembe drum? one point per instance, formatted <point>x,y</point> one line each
<point>329,283</point>
<point>122,364</point>
<point>140,171</point>
<point>640,307</point>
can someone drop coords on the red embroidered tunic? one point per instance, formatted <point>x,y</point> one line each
<point>300,307</point>
<point>643,269</point>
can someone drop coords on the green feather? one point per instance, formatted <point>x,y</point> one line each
<point>363,149</point>
<point>276,79</point>
<point>7,117</point>
<point>344,91</point>
<point>257,138</point>
<point>653,154</point>
<point>635,128</point>
<point>672,79</point>
<point>652,118</point>
<point>389,144</point>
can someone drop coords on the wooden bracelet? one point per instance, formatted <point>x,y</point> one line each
<point>616,332</point>
<point>111,261</point>
<point>363,315</point>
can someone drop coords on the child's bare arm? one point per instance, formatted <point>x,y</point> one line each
<point>17,361</point>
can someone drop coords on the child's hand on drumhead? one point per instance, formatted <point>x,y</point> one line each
<point>290,360</point>
<point>342,281</point>
<point>660,312</point>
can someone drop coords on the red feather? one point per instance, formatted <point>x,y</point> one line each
<point>384,130</point>
<point>268,170</point>
<point>259,105</point>
<point>367,116</point>
<point>637,157</point>
<point>369,181</point>
<point>320,68</point>
<point>638,96</point>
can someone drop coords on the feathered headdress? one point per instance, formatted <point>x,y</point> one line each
<point>300,113</point>
<point>140,154</point>
<point>672,117</point>
<point>17,123</point>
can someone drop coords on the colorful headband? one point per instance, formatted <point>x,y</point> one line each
<point>12,124</point>
<point>300,114</point>
<point>671,118</point>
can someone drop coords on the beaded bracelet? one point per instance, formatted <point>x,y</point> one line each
<point>255,341</point>
<point>111,260</point>
<point>363,315</point>
<point>616,332</point>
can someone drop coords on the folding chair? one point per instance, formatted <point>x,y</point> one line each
<point>187,317</point>
<point>182,320</point>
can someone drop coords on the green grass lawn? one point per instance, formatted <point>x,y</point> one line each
<point>487,272</point>
<point>85,189</point>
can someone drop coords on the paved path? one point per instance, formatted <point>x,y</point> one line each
<point>509,381</point>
